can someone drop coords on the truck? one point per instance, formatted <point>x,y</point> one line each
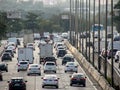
<point>46,50</point>
<point>25,54</point>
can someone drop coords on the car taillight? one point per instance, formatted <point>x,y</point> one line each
<point>73,79</point>
<point>45,79</point>
<point>18,64</point>
<point>55,80</point>
<point>75,66</point>
<point>38,68</point>
<point>29,68</point>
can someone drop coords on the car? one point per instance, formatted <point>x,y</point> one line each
<point>3,67</point>
<point>17,83</point>
<point>50,80</point>
<point>6,56</point>
<point>78,78</point>
<point>1,76</point>
<point>61,53</point>
<point>117,56</point>
<point>59,44</point>
<point>34,69</point>
<point>10,44</point>
<point>50,66</point>
<point>60,48</point>
<point>12,48</point>
<point>67,58</point>
<point>52,59</point>
<point>22,65</point>
<point>71,66</point>
<point>18,42</point>
<point>109,53</point>
<point>31,45</point>
<point>10,51</point>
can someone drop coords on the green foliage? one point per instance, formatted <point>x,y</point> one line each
<point>117,18</point>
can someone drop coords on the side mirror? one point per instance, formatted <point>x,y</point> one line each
<point>8,81</point>
<point>70,76</point>
<point>41,77</point>
<point>26,81</point>
<point>58,78</point>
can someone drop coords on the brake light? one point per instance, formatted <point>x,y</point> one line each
<point>55,80</point>
<point>45,79</point>
<point>73,78</point>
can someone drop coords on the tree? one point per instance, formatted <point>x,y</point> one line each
<point>117,17</point>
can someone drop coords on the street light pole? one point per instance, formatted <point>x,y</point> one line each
<point>70,26</point>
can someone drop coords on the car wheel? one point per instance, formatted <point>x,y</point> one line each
<point>6,70</point>
<point>44,71</point>
<point>76,71</point>
<point>39,74</point>
<point>42,86</point>
<point>84,85</point>
<point>56,86</point>
<point>55,71</point>
<point>70,84</point>
<point>18,70</point>
<point>28,74</point>
<point>65,71</point>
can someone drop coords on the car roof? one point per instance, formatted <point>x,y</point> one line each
<point>50,76</point>
<point>69,55</point>
<point>78,74</point>
<point>17,78</point>
<point>68,63</point>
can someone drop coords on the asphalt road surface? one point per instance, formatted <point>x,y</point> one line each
<point>35,82</point>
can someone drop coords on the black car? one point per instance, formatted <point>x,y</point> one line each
<point>1,77</point>
<point>110,53</point>
<point>17,83</point>
<point>61,53</point>
<point>67,58</point>
<point>11,52</point>
<point>53,59</point>
<point>78,78</point>
<point>18,42</point>
<point>3,67</point>
<point>6,56</point>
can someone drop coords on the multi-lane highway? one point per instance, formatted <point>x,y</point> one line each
<point>35,82</point>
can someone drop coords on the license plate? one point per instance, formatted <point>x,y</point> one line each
<point>17,85</point>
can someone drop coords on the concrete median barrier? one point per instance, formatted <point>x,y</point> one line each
<point>92,71</point>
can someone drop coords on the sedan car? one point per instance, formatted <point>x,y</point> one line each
<point>78,78</point>
<point>10,51</point>
<point>71,66</point>
<point>50,66</point>
<point>61,53</point>
<point>17,83</point>
<point>31,45</point>
<point>50,80</point>
<point>1,76</point>
<point>67,58</point>
<point>22,65</point>
<point>12,48</point>
<point>3,67</point>
<point>34,69</point>
<point>6,56</point>
<point>52,59</point>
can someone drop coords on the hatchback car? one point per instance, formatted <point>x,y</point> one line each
<point>22,65</point>
<point>34,69</point>
<point>17,83</point>
<point>71,66</point>
<point>61,53</point>
<point>67,58</point>
<point>78,78</point>
<point>10,51</point>
<point>3,67</point>
<point>50,80</point>
<point>1,76</point>
<point>50,66</point>
<point>6,56</point>
<point>52,59</point>
<point>31,45</point>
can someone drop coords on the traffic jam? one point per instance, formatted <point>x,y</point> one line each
<point>45,63</point>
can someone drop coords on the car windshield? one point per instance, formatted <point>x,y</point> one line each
<point>34,65</point>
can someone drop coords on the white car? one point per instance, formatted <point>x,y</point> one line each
<point>31,45</point>
<point>50,66</point>
<point>60,47</point>
<point>34,69</point>
<point>71,66</point>
<point>50,80</point>
<point>12,48</point>
<point>117,56</point>
<point>22,65</point>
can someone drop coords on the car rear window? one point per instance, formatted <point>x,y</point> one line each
<point>78,76</point>
<point>17,80</point>
<point>23,62</point>
<point>50,64</point>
